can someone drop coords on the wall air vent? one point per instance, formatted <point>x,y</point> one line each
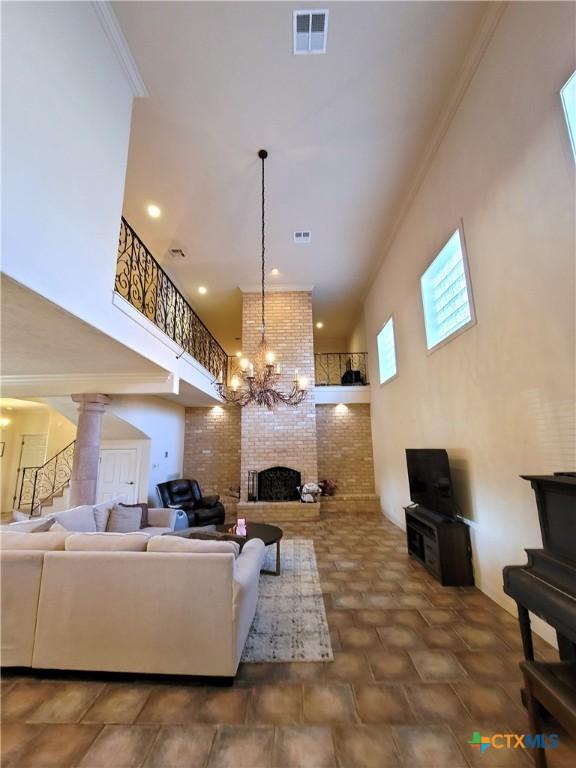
<point>177,253</point>
<point>302,236</point>
<point>310,32</point>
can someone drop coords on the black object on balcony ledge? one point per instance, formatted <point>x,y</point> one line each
<point>141,280</point>
<point>334,369</point>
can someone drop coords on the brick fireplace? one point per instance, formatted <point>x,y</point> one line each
<point>285,437</point>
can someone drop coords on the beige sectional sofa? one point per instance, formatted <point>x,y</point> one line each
<point>90,518</point>
<point>126,602</point>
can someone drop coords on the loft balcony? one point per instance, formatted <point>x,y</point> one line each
<point>142,282</point>
<point>341,369</point>
<point>341,378</point>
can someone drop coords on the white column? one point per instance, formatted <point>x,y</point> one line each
<point>84,477</point>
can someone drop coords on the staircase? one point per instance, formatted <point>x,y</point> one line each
<point>41,487</point>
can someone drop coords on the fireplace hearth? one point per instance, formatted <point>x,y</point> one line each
<point>278,484</point>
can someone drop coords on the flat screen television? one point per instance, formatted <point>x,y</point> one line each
<point>429,478</point>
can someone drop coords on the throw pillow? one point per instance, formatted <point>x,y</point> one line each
<point>33,525</point>
<point>58,527</point>
<point>144,507</point>
<point>203,535</point>
<point>124,520</point>
<point>79,519</point>
<point>101,514</point>
<point>107,542</point>
<point>196,546</point>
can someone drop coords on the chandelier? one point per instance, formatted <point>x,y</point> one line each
<point>256,382</point>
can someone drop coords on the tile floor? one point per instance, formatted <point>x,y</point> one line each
<point>417,668</point>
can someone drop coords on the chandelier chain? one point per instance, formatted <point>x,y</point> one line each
<point>257,382</point>
<point>263,252</point>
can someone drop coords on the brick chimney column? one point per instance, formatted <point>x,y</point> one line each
<point>84,477</point>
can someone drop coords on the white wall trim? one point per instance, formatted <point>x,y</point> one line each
<point>345,395</point>
<point>473,58</point>
<point>44,385</point>
<point>113,30</point>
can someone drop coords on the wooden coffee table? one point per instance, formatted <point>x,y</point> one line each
<point>270,534</point>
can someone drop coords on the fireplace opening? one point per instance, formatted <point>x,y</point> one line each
<point>278,484</point>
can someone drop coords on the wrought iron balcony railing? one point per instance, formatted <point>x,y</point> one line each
<point>341,368</point>
<point>39,485</point>
<point>141,280</point>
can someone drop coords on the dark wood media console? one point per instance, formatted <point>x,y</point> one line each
<point>442,546</point>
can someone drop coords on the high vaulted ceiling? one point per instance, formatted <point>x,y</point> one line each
<point>344,130</point>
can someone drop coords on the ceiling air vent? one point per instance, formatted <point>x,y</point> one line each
<point>310,32</point>
<point>177,253</point>
<point>302,236</point>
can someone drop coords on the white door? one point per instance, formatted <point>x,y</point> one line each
<point>118,475</point>
<point>32,454</point>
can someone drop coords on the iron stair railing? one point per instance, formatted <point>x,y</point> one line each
<point>141,280</point>
<point>38,485</point>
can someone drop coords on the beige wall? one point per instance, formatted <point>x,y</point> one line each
<point>357,341</point>
<point>286,436</point>
<point>500,397</point>
<point>162,422</point>
<point>59,433</point>
<point>212,448</point>
<point>325,344</point>
<point>345,447</point>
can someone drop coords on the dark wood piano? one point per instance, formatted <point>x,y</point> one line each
<point>546,585</point>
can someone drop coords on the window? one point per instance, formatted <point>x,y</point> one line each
<point>387,352</point>
<point>568,96</point>
<point>446,294</point>
<point>310,31</point>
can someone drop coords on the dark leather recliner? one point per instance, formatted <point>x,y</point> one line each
<point>186,495</point>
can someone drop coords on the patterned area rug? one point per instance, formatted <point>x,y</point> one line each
<point>290,622</point>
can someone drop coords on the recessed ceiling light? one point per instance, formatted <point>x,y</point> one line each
<point>153,211</point>
<point>202,290</point>
<point>275,271</point>
<point>238,354</point>
<point>319,325</point>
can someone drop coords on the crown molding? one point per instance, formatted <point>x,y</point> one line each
<point>467,71</point>
<point>113,30</point>
<point>288,288</point>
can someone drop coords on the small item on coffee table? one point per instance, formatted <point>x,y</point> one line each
<point>241,526</point>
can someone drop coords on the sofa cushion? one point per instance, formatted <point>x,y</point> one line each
<point>44,540</point>
<point>101,514</point>
<point>144,508</point>
<point>156,530</point>
<point>107,542</point>
<point>124,519</point>
<point>78,519</point>
<point>34,524</point>
<point>179,544</point>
